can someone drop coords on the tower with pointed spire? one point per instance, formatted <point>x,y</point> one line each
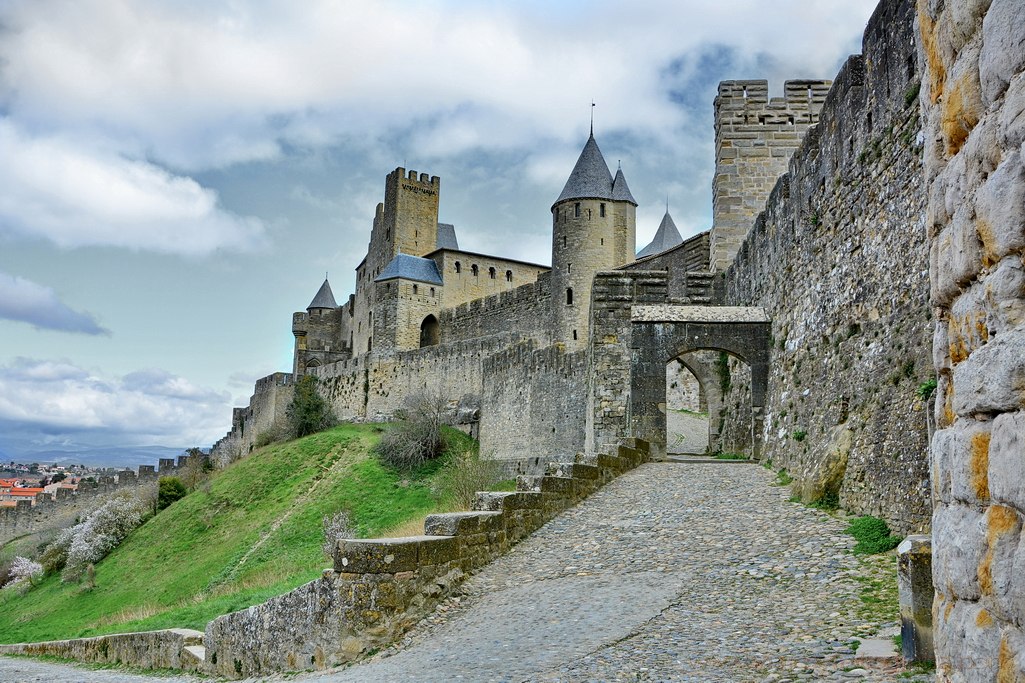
<point>318,332</point>
<point>593,228</point>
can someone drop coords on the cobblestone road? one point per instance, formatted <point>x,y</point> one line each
<point>673,572</point>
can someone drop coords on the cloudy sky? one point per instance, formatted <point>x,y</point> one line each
<point>177,177</point>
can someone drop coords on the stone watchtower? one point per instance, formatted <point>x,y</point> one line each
<point>754,139</point>
<point>594,228</point>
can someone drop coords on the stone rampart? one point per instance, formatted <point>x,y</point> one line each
<point>533,401</point>
<point>265,411</point>
<point>839,260</point>
<point>686,266</point>
<point>66,507</point>
<point>973,97</point>
<point>379,588</point>
<point>524,311</point>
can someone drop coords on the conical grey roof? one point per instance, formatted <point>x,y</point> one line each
<point>666,237</point>
<point>621,191</point>
<point>411,268</point>
<point>590,178</point>
<point>324,299</point>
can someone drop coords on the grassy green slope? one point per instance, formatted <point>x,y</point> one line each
<point>253,531</point>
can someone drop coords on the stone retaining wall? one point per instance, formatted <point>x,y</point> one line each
<point>167,649</point>
<point>379,588</point>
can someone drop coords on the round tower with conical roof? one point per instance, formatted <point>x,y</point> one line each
<point>593,228</point>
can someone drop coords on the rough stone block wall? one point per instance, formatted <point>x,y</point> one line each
<point>839,261</point>
<point>532,402</point>
<point>973,97</point>
<point>265,411</point>
<point>686,265</point>
<point>754,138</point>
<point>525,310</point>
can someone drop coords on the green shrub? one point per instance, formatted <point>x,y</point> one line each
<point>926,389</point>
<point>308,412</point>
<point>170,489</point>
<point>873,535</point>
<point>799,435</point>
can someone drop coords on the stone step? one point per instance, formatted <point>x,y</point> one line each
<point>198,652</point>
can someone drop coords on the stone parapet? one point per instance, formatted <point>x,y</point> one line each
<point>378,588</point>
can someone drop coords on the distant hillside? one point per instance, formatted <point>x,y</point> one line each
<point>251,532</point>
<point>92,456</point>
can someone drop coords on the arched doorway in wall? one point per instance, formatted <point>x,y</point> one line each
<point>430,331</point>
<point>687,404</point>
<point>726,349</point>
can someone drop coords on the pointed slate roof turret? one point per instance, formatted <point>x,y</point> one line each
<point>666,237</point>
<point>325,297</point>
<point>411,268</point>
<point>590,178</point>
<point>621,191</point>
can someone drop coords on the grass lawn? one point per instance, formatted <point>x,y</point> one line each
<point>253,531</point>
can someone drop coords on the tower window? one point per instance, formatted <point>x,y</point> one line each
<point>491,273</point>
<point>563,240</point>
<point>459,267</point>
<point>576,210</point>
<point>574,335</point>
<point>508,276</point>
<point>387,234</point>
<point>415,288</point>
<point>601,209</point>
<point>474,270</point>
<point>569,267</point>
<point>569,296</point>
<point>432,291</point>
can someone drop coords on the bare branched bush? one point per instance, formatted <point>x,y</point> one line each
<point>417,437</point>
<point>469,473</point>
<point>336,526</point>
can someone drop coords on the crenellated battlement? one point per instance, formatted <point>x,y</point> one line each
<point>411,176</point>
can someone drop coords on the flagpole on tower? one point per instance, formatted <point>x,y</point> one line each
<point>592,117</point>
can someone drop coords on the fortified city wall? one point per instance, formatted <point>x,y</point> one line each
<point>839,261</point>
<point>973,99</point>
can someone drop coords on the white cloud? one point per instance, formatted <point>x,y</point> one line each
<point>208,84</point>
<point>149,406</point>
<point>25,301</point>
<point>75,195</point>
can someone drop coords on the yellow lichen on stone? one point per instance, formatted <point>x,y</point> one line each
<point>984,620</point>
<point>979,465</point>
<point>935,67</point>
<point>960,111</point>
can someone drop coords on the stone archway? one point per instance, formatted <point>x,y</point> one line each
<point>662,332</point>
<point>631,343</point>
<point>430,331</point>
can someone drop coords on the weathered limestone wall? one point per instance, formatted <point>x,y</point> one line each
<point>173,648</point>
<point>839,261</point>
<point>754,138</point>
<point>533,402</point>
<point>973,98</point>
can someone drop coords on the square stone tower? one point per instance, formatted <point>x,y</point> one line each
<point>754,139</point>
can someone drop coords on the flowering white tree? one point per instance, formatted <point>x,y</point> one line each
<point>24,569</point>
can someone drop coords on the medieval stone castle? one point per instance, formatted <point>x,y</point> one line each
<point>854,313</point>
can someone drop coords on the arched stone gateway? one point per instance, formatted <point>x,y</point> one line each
<point>627,387</point>
<point>663,332</point>
<point>430,332</point>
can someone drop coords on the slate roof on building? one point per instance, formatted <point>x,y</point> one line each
<point>666,237</point>
<point>620,190</point>
<point>447,236</point>
<point>325,297</point>
<point>411,268</point>
<point>590,178</point>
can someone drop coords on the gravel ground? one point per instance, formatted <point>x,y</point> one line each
<point>673,572</point>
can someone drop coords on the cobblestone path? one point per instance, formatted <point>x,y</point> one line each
<point>673,572</point>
